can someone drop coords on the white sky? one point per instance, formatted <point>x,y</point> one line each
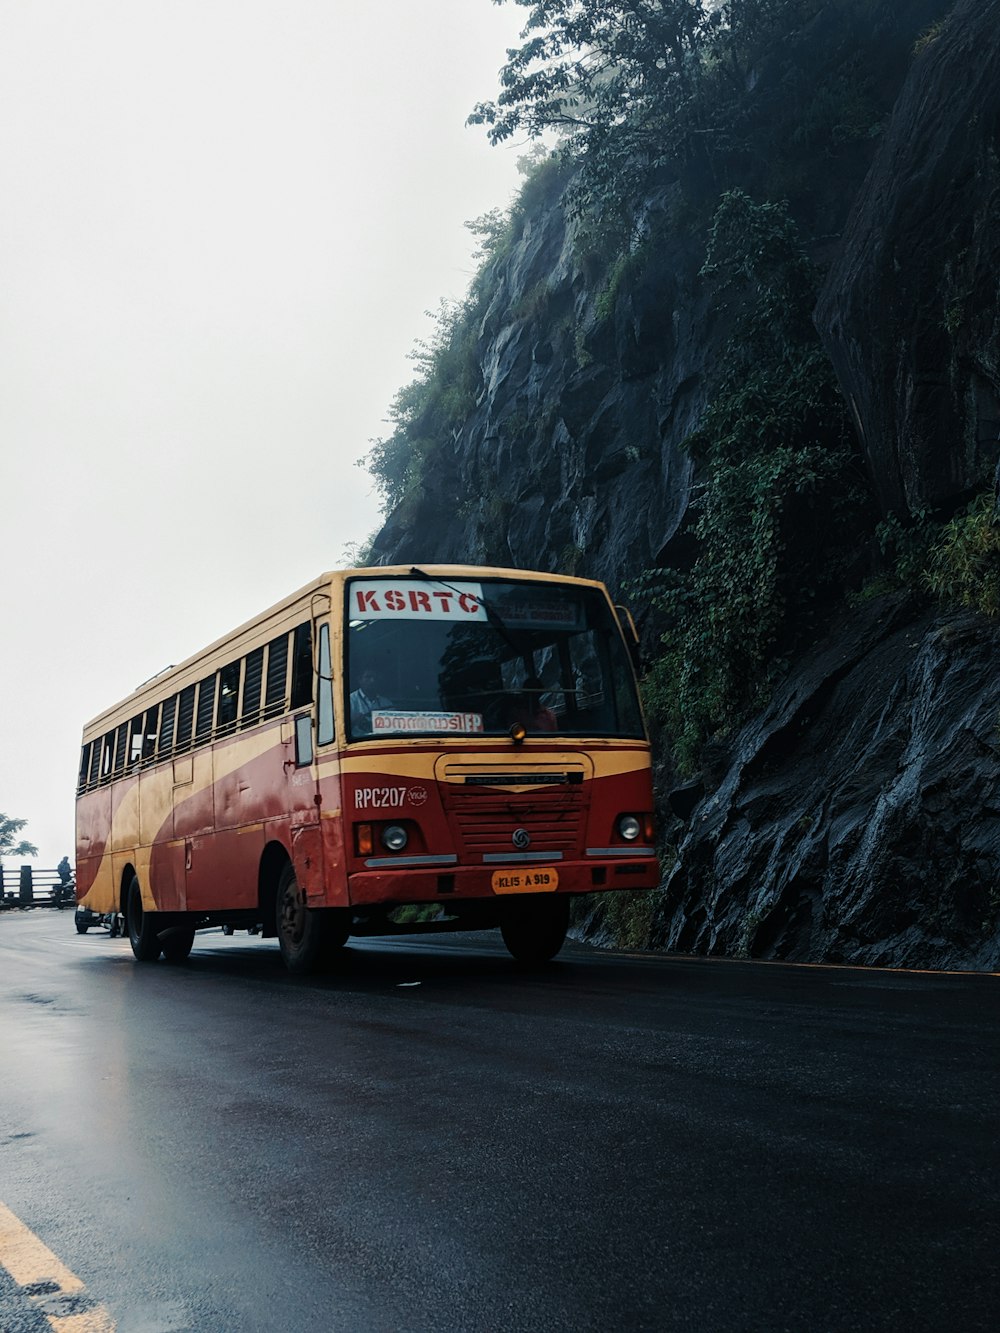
<point>221,225</point>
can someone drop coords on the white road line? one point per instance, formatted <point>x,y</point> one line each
<point>48,1282</point>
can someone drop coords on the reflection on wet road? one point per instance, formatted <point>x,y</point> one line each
<point>433,1138</point>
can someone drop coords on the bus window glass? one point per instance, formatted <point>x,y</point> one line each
<point>252,677</point>
<point>206,708</point>
<point>302,666</point>
<point>324,707</point>
<point>229,693</point>
<point>121,746</point>
<point>185,717</point>
<point>150,731</point>
<point>95,763</point>
<point>277,676</point>
<point>167,727</point>
<point>135,739</point>
<point>474,658</point>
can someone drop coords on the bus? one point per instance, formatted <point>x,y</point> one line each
<point>388,750</point>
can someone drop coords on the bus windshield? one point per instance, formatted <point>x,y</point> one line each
<point>431,656</point>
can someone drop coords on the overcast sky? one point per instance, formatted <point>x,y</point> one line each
<point>221,225</point>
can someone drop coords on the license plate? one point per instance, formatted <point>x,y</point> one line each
<point>525,881</point>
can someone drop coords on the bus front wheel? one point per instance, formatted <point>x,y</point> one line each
<point>142,926</point>
<point>307,936</point>
<point>534,929</point>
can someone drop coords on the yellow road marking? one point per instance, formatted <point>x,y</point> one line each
<point>32,1264</point>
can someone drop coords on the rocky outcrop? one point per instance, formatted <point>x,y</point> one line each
<point>859,819</point>
<point>859,816</point>
<point>910,312</point>
<point>570,459</point>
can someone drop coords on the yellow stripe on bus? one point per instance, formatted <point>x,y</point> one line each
<point>421,765</point>
<point>32,1264</point>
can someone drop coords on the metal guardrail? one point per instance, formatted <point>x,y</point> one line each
<point>27,887</point>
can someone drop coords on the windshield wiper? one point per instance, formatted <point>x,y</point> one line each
<point>493,616</point>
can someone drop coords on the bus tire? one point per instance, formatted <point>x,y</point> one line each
<point>534,929</point>
<point>142,926</point>
<point>307,936</point>
<point>177,942</point>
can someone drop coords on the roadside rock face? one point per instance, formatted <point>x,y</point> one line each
<point>858,817</point>
<point>910,312</point>
<point>859,820</point>
<point>571,458</point>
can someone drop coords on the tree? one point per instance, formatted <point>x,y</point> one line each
<point>635,88</point>
<point>9,828</point>
<point>586,64</point>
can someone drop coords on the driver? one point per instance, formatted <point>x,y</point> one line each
<point>365,700</point>
<point>529,710</point>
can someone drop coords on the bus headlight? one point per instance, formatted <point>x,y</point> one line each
<point>629,827</point>
<point>394,837</point>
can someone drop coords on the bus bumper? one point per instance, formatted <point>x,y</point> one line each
<point>441,883</point>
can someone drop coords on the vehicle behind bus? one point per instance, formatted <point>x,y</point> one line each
<point>386,751</point>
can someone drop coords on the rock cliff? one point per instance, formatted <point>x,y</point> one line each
<point>856,817</point>
<point>570,459</point>
<point>910,311</point>
<point>859,819</point>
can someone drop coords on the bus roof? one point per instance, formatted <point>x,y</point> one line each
<point>286,614</point>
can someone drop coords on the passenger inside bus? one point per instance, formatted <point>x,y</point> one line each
<point>365,700</point>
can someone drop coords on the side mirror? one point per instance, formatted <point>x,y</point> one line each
<point>303,741</point>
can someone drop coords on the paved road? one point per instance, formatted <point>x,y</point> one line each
<point>436,1140</point>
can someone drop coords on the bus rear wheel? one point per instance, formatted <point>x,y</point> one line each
<point>177,942</point>
<point>142,926</point>
<point>307,936</point>
<point>534,929</point>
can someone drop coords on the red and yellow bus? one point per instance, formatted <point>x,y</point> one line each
<point>387,750</point>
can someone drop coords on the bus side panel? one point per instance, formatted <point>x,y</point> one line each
<point>164,875</point>
<point>94,885</point>
<point>194,800</point>
<point>125,815</point>
<point>156,821</point>
<point>223,869</point>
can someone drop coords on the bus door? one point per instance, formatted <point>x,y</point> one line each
<point>310,688</point>
<point>302,799</point>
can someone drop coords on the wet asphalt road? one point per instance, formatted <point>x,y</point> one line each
<point>436,1140</point>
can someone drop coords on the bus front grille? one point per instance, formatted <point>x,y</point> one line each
<point>488,830</point>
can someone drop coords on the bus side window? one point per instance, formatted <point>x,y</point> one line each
<point>150,732</point>
<point>167,727</point>
<point>229,693</point>
<point>277,676</point>
<point>185,717</point>
<point>303,740</point>
<point>252,677</point>
<point>95,762</point>
<point>120,749</point>
<point>206,710</point>
<point>84,768</point>
<point>135,740</point>
<point>324,706</point>
<point>302,670</point>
